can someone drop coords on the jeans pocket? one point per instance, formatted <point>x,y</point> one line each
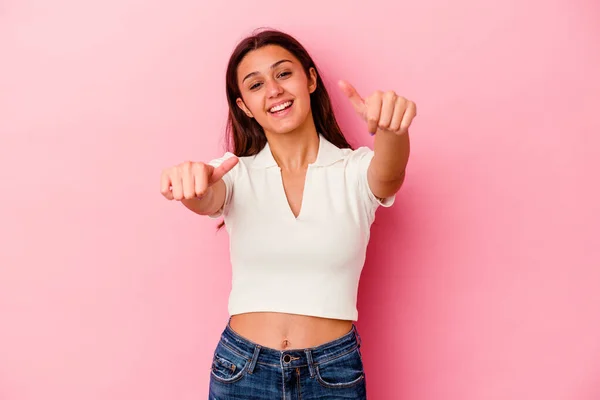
<point>342,372</point>
<point>227,366</point>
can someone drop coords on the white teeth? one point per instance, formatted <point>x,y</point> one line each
<point>281,106</point>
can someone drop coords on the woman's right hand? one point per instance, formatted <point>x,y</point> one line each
<point>190,180</point>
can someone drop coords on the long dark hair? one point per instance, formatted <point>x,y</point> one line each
<point>245,137</point>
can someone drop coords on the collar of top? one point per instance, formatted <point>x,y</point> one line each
<point>327,155</point>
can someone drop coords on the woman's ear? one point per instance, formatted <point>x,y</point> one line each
<point>240,103</point>
<point>312,80</point>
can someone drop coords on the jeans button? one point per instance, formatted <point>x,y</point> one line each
<point>287,358</point>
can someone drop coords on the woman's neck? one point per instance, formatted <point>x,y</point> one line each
<point>295,150</point>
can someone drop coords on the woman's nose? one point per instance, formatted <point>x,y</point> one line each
<point>273,88</point>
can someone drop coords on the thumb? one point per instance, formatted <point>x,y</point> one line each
<point>357,102</point>
<point>222,169</point>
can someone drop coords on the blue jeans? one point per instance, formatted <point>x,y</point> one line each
<point>242,369</point>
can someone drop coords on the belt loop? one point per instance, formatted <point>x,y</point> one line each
<point>358,338</point>
<point>311,367</point>
<point>254,359</point>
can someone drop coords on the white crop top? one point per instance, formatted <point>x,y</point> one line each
<point>308,265</point>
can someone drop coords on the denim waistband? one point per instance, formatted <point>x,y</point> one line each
<point>293,358</point>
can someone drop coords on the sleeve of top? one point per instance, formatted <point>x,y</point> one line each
<point>362,157</point>
<point>228,179</point>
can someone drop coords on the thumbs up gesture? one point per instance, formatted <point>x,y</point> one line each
<point>382,110</point>
<point>190,180</point>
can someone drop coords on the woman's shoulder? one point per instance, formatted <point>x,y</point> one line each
<point>358,152</point>
<point>358,155</point>
<point>330,154</point>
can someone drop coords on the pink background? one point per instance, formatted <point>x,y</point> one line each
<point>482,282</point>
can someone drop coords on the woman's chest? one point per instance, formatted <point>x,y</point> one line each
<point>316,219</point>
<point>277,197</point>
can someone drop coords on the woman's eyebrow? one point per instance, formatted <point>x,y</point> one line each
<point>251,74</point>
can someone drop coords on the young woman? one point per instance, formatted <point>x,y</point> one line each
<point>298,203</point>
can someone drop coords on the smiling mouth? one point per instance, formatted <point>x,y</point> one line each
<point>281,107</point>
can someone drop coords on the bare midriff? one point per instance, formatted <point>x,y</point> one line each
<point>288,331</point>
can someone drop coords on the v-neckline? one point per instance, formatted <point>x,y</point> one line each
<point>288,207</point>
<point>286,203</point>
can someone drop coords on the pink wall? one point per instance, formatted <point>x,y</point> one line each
<point>481,282</point>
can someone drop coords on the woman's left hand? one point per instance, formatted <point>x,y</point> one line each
<point>382,110</point>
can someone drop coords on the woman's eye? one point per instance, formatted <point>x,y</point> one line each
<point>256,85</point>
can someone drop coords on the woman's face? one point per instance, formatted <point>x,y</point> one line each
<point>275,89</point>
